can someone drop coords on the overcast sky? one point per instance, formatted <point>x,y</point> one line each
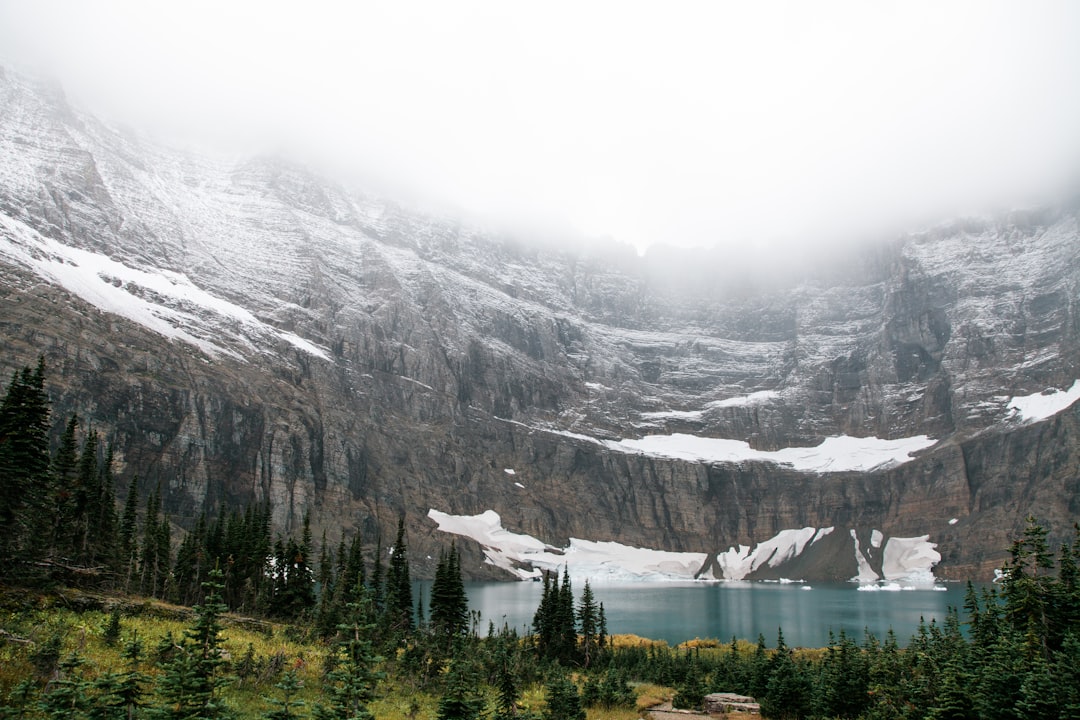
<point>752,124</point>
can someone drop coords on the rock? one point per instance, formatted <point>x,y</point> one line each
<point>722,703</point>
<point>259,333</point>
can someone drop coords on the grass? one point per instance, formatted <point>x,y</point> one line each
<point>257,653</point>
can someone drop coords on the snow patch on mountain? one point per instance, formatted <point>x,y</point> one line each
<point>755,398</point>
<point>1045,404</point>
<point>525,557</point>
<point>910,559</point>
<point>738,563</point>
<point>163,301</point>
<point>866,573</point>
<point>835,454</point>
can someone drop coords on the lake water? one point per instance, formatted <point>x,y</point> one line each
<point>677,612</point>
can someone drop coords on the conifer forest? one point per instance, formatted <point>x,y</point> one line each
<point>109,610</point>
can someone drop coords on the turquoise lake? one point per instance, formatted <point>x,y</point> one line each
<point>677,612</point>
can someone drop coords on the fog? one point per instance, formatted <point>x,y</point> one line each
<point>748,127</point>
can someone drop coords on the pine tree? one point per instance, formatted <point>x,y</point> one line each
<point>350,686</point>
<point>690,694</point>
<point>449,605</point>
<point>87,496</point>
<point>189,686</point>
<point>129,555</point>
<point>66,697</point>
<point>588,621</point>
<point>507,691</point>
<point>566,627</point>
<point>1027,585</point>
<point>60,510</point>
<point>104,532</point>
<point>615,691</point>
<point>788,691</point>
<point>461,699</point>
<point>120,695</point>
<point>286,708</point>
<point>377,572</point>
<point>563,700</point>
<point>24,466</point>
<point>150,569</point>
<point>1039,693</point>
<point>399,601</point>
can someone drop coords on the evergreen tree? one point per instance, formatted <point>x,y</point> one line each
<point>86,507</point>
<point>1039,693</point>
<point>954,701</point>
<point>615,690</point>
<point>104,527</point>
<point>350,686</point>
<point>842,685</point>
<point>461,699</point>
<point>66,696</point>
<point>565,626</point>
<point>588,622</point>
<point>150,563</point>
<point>507,691</point>
<point>690,694</point>
<point>113,628</point>
<point>120,695</point>
<point>788,691</point>
<point>563,700</point>
<point>24,463</point>
<point>1026,587</point>
<point>129,555</point>
<point>449,606</point>
<point>399,601</point>
<point>189,686</point>
<point>59,515</point>
<point>377,572</point>
<point>286,708</point>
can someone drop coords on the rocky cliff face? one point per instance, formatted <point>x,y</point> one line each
<point>245,330</point>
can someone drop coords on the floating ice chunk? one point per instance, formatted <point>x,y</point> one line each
<point>875,538</point>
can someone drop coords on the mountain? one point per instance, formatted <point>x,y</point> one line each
<point>244,329</point>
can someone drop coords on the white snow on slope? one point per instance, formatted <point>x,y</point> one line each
<point>866,573</point>
<point>138,295</point>
<point>910,559</point>
<point>584,559</point>
<point>835,454</point>
<point>1039,406</point>
<point>755,398</point>
<point>737,563</point>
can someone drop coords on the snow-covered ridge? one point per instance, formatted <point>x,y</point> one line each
<point>906,560</point>
<point>163,301</point>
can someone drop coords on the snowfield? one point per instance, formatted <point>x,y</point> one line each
<point>906,560</point>
<point>1040,406</point>
<point>165,302</point>
<point>835,454</point>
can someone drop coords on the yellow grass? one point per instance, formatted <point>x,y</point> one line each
<point>649,695</point>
